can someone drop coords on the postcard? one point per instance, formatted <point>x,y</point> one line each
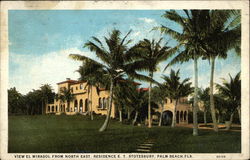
<point>124,80</point>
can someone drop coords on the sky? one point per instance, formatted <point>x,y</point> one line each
<point>41,40</point>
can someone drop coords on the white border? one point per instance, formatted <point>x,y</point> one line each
<point>152,5</point>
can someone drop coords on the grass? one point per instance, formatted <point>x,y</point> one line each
<point>77,134</point>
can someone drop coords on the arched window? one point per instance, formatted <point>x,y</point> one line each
<point>76,105</point>
<point>103,103</point>
<point>52,108</point>
<point>48,108</point>
<point>81,105</point>
<point>86,104</point>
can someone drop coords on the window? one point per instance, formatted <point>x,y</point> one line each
<point>76,88</point>
<point>81,86</point>
<point>71,89</point>
<point>48,108</point>
<point>100,103</point>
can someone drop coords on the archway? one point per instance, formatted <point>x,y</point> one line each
<point>181,116</point>
<point>185,116</point>
<point>56,108</point>
<point>167,117</point>
<point>52,108</point>
<point>75,106</point>
<point>100,103</point>
<point>86,105</point>
<point>178,117</point>
<point>81,105</point>
<point>48,108</point>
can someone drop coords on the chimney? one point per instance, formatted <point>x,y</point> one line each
<point>67,79</point>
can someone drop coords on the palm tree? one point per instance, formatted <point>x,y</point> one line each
<point>159,96</point>
<point>116,61</point>
<point>204,97</point>
<point>66,95</point>
<point>223,34</point>
<point>121,97</point>
<point>46,91</point>
<point>92,73</point>
<point>151,54</point>
<point>231,92</point>
<point>193,24</point>
<point>176,89</point>
<point>136,99</point>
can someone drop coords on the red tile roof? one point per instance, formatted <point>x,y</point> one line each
<point>68,81</point>
<point>143,89</point>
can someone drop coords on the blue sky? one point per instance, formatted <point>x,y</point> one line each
<point>41,40</point>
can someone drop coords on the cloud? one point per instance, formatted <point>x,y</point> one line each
<point>147,20</point>
<point>32,71</point>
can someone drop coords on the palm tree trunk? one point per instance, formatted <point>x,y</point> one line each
<point>68,105</point>
<point>128,113</point>
<point>230,122</point>
<point>136,115</point>
<point>149,101</point>
<point>161,115</point>
<point>106,122</point>
<point>239,112</point>
<point>91,109</point>
<point>205,117</point>
<point>218,121</point>
<point>120,115</point>
<point>212,96</point>
<point>195,108</point>
<point>89,112</point>
<point>174,115</point>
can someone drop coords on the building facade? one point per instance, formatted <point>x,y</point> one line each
<point>79,105</point>
<point>100,98</point>
<point>182,111</point>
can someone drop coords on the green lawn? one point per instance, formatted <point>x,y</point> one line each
<point>74,134</point>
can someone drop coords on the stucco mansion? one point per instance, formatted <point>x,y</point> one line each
<point>100,101</point>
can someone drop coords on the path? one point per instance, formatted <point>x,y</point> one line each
<point>145,147</point>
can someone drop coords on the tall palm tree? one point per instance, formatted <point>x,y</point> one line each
<point>46,91</point>
<point>116,61</point>
<point>223,34</point>
<point>231,92</point>
<point>176,89</point>
<point>193,24</point>
<point>151,54</point>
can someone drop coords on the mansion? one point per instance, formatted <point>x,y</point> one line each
<point>100,99</point>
